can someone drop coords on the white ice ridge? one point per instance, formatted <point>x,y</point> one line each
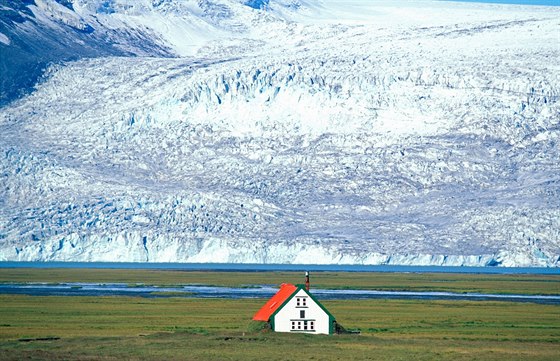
<point>4,39</point>
<point>369,132</point>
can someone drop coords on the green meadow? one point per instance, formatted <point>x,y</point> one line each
<point>175,328</point>
<point>483,283</point>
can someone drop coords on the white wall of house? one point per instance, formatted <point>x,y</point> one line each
<point>289,319</point>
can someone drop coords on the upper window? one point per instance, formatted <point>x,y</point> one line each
<point>301,301</point>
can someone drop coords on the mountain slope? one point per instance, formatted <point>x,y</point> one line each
<point>292,132</point>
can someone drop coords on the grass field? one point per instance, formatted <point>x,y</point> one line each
<point>110,328</point>
<point>128,328</point>
<point>485,283</point>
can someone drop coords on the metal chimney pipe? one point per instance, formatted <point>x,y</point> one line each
<point>307,280</point>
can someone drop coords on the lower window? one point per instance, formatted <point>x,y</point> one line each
<point>303,325</point>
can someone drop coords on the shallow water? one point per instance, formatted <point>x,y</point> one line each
<point>250,267</point>
<point>260,291</point>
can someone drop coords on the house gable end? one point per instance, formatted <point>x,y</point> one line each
<point>299,288</point>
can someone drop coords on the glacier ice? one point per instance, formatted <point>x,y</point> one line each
<point>281,132</point>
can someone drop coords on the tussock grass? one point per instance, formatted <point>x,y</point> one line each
<point>129,328</point>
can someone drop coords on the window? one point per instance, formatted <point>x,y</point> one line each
<point>302,314</point>
<point>301,302</point>
<point>303,325</point>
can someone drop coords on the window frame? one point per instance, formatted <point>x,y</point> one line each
<point>301,302</point>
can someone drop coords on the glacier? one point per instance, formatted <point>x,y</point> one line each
<point>280,131</point>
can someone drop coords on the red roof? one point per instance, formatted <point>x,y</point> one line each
<point>286,290</point>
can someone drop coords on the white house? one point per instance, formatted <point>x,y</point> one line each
<point>294,309</point>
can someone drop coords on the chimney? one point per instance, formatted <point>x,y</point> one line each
<point>307,280</point>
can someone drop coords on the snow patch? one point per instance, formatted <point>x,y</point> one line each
<point>61,13</point>
<point>4,39</point>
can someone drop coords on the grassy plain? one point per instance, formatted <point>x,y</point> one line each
<point>485,283</point>
<point>129,328</point>
<point>125,328</point>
